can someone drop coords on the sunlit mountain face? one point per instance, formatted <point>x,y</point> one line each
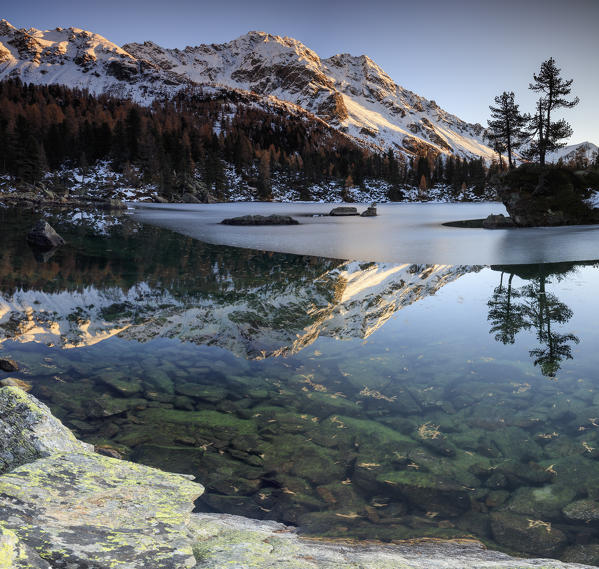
<point>352,94</point>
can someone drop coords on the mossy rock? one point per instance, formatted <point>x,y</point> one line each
<point>203,421</point>
<point>427,492</point>
<point>545,502</point>
<point>523,534</point>
<point>586,511</point>
<point>29,431</point>
<point>107,406</point>
<point>587,554</point>
<point>120,383</point>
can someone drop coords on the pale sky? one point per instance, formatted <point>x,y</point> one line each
<point>461,53</point>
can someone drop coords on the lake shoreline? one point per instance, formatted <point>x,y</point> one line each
<point>166,534</point>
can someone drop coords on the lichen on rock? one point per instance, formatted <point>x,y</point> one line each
<point>14,554</point>
<point>93,511</point>
<point>29,431</point>
<point>239,543</point>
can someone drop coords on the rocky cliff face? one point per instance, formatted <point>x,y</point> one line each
<point>352,94</point>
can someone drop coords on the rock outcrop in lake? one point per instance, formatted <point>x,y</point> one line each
<point>75,508</point>
<point>43,236</point>
<point>344,210</point>
<point>261,220</point>
<point>548,196</point>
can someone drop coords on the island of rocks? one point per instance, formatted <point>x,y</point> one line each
<point>542,196</point>
<point>62,505</point>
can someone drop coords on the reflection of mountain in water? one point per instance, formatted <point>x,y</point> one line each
<point>271,315</point>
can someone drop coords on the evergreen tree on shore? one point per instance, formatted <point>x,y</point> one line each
<point>506,128</point>
<point>549,134</point>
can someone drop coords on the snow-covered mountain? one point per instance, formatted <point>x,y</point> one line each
<point>80,59</point>
<point>584,150</point>
<point>352,300</point>
<point>352,94</point>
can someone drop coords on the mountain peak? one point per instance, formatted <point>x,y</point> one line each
<point>351,93</point>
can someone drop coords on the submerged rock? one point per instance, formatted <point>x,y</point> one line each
<point>260,220</point>
<point>44,237</point>
<point>75,508</point>
<point>523,533</point>
<point>7,364</point>
<point>586,511</point>
<point>29,431</point>
<point>588,554</point>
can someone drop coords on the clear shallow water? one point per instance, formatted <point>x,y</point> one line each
<point>400,233</point>
<point>375,400</point>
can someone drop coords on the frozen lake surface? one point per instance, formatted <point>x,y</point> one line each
<point>401,233</point>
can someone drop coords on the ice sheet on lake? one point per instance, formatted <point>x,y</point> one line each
<point>402,233</point>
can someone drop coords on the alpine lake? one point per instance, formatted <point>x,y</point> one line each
<point>375,400</point>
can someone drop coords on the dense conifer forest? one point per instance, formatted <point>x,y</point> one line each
<point>196,136</point>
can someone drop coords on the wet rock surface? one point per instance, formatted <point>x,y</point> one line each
<point>224,540</point>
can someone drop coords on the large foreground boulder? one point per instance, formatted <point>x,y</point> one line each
<point>260,220</point>
<point>43,236</point>
<point>87,510</point>
<point>14,554</point>
<point>29,431</point>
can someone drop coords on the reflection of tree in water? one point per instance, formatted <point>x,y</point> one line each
<point>505,313</point>
<point>513,309</point>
